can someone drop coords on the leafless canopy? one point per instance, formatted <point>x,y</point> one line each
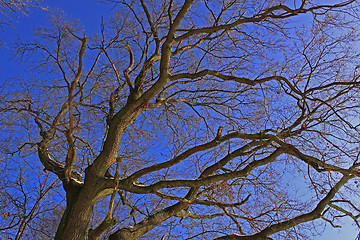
<point>225,119</point>
<point>10,8</point>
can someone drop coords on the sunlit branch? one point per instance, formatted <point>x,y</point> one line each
<point>152,27</point>
<point>217,141</point>
<point>314,214</point>
<point>317,164</point>
<point>205,178</point>
<point>278,11</point>
<point>70,156</point>
<point>202,202</point>
<point>187,213</point>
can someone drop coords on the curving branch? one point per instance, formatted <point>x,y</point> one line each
<point>278,11</point>
<point>314,214</point>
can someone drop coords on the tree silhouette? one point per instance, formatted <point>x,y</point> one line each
<point>195,119</point>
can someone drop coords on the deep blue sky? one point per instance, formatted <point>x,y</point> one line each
<point>89,13</point>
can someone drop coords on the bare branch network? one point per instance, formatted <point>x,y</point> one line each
<point>233,119</point>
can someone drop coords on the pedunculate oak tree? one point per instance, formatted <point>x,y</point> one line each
<point>231,119</point>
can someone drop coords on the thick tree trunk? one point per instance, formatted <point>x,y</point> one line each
<point>81,198</point>
<point>75,220</point>
<point>80,201</point>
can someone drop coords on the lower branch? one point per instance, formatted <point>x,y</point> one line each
<point>316,213</point>
<point>146,225</point>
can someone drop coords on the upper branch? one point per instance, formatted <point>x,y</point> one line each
<point>70,157</point>
<point>153,30</point>
<point>278,11</point>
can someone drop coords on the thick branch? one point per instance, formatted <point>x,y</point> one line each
<point>206,179</point>
<point>278,11</point>
<point>70,156</point>
<point>127,114</point>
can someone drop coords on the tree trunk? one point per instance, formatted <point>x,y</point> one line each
<point>79,208</point>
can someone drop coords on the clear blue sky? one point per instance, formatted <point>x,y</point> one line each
<point>89,13</point>
<point>347,232</point>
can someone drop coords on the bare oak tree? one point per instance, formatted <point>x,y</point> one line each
<point>233,119</point>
